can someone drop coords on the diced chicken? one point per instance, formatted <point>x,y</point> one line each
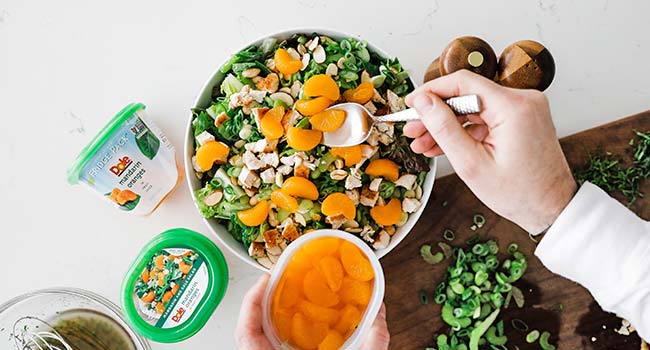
<point>374,184</point>
<point>370,107</point>
<point>268,176</point>
<point>410,205</point>
<point>367,151</point>
<point>260,145</point>
<point>270,83</point>
<point>373,137</point>
<point>256,250</point>
<point>251,192</point>
<point>204,138</point>
<point>290,232</point>
<point>273,218</point>
<point>407,181</point>
<point>288,160</point>
<point>395,103</point>
<point>300,219</point>
<point>284,169</point>
<point>258,113</point>
<point>274,258</point>
<point>353,195</point>
<point>336,221</point>
<point>376,97</point>
<point>382,242</point>
<point>246,98</point>
<point>266,262</point>
<point>251,161</point>
<point>368,197</point>
<point>245,131</point>
<point>196,166</point>
<point>386,132</point>
<point>220,119</point>
<point>367,233</point>
<point>353,180</point>
<point>270,159</point>
<point>301,170</point>
<point>272,241</point>
<point>249,178</point>
<point>350,224</point>
<point>289,119</point>
<point>270,145</point>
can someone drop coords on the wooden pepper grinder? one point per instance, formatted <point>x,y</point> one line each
<point>526,64</point>
<point>467,52</point>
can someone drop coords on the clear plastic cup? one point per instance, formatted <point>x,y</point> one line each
<point>370,314</point>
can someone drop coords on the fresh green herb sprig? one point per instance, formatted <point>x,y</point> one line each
<point>607,172</point>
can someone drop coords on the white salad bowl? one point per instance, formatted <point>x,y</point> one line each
<point>204,99</point>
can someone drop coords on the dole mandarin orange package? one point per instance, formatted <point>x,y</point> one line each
<point>324,293</point>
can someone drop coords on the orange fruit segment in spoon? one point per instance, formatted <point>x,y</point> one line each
<point>322,85</point>
<point>313,106</point>
<point>303,139</point>
<point>328,120</point>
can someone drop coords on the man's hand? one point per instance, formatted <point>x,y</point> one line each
<point>508,155</point>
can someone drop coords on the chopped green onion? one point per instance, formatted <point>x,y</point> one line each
<point>543,341</point>
<point>446,249</point>
<point>559,307</point>
<point>448,234</point>
<point>479,220</point>
<point>440,298</point>
<point>512,248</point>
<point>425,252</point>
<point>480,277</point>
<point>493,247</point>
<point>479,330</point>
<point>475,238</point>
<point>480,249</point>
<point>492,337</point>
<point>423,297</point>
<point>519,325</point>
<point>518,295</point>
<point>491,262</point>
<point>532,336</point>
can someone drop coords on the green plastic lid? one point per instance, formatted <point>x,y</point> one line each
<point>174,285</point>
<point>99,140</point>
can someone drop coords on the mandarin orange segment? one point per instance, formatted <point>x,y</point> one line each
<point>282,319</point>
<point>350,318</point>
<point>256,215</point>
<point>332,341</point>
<point>328,120</point>
<point>313,106</point>
<point>356,292</point>
<point>284,63</point>
<point>316,290</point>
<point>307,334</point>
<point>271,123</point>
<point>322,85</point>
<point>339,203</point>
<point>284,200</point>
<point>303,139</point>
<point>333,271</point>
<point>383,167</point>
<point>126,196</point>
<point>319,313</point>
<point>211,152</point>
<point>388,214</point>
<point>319,248</point>
<point>361,94</point>
<point>351,155</point>
<point>300,187</point>
<point>355,263</point>
<point>291,291</point>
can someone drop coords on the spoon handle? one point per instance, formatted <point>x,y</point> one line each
<point>466,104</point>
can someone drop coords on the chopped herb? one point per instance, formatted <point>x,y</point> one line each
<point>479,220</point>
<point>423,297</point>
<point>532,336</point>
<point>430,258</point>
<point>519,325</point>
<point>448,234</point>
<point>559,307</point>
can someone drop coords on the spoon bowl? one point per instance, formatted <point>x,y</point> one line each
<point>358,123</point>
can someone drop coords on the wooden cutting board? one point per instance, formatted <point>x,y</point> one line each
<point>581,325</point>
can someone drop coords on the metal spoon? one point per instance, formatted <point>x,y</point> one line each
<point>359,121</point>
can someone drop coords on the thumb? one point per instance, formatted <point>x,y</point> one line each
<point>378,337</point>
<point>445,128</point>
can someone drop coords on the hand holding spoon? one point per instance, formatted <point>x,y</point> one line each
<point>359,121</point>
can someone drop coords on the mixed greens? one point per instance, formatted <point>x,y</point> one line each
<point>244,180</point>
<point>608,173</point>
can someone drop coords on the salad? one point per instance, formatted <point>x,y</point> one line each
<point>264,173</point>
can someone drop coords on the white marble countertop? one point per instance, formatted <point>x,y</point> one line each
<point>67,66</point>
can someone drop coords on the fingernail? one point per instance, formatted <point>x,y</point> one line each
<point>422,102</point>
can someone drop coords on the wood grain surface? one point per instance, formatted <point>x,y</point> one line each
<point>581,325</point>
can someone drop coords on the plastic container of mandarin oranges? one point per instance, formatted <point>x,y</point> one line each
<point>324,293</point>
<point>130,163</point>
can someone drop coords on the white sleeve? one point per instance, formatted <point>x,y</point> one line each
<point>605,247</point>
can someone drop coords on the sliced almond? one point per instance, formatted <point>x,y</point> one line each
<point>313,44</point>
<point>295,89</point>
<point>302,49</point>
<point>332,70</point>
<point>293,53</point>
<point>340,62</point>
<point>282,96</point>
<point>286,90</point>
<point>266,262</point>
<point>338,174</point>
<point>213,198</point>
<point>305,61</point>
<point>319,54</point>
<point>250,72</point>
